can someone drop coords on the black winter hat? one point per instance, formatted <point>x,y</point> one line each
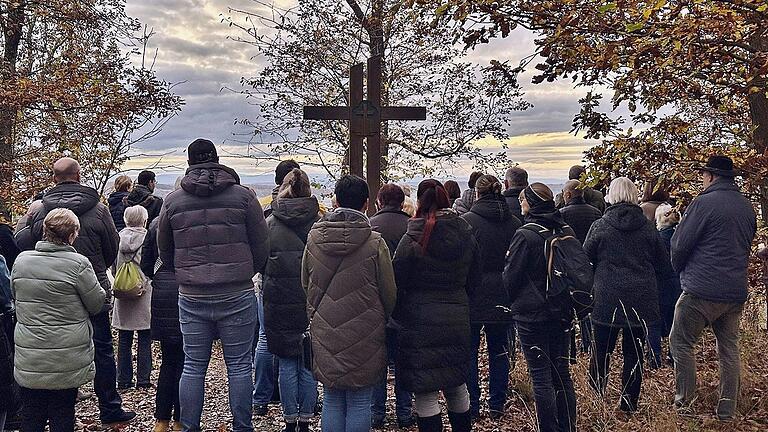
<point>202,151</point>
<point>720,165</point>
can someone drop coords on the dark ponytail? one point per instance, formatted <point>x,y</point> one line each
<point>431,197</point>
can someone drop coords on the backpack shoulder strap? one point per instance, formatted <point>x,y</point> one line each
<point>538,229</point>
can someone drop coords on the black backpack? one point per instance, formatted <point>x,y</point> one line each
<point>570,275</point>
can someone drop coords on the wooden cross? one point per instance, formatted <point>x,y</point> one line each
<point>365,116</point>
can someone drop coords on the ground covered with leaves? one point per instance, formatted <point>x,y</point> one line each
<point>655,412</point>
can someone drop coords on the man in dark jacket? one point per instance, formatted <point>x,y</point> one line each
<point>142,194</point>
<point>392,223</point>
<point>579,216</point>
<point>591,196</point>
<point>213,233</point>
<point>97,241</point>
<point>711,249</point>
<point>515,180</point>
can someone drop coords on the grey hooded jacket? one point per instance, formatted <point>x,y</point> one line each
<point>213,232</point>
<point>711,246</point>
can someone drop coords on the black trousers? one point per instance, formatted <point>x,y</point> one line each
<point>632,343</point>
<point>105,383</point>
<point>171,367</point>
<point>43,406</point>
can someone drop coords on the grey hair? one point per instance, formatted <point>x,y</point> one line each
<point>622,190</point>
<point>59,225</point>
<point>136,216</point>
<point>666,216</point>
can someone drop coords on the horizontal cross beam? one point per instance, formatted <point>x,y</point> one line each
<point>344,113</point>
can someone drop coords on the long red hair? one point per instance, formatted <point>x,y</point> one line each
<point>431,197</point>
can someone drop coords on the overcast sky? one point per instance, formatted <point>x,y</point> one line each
<point>195,49</point>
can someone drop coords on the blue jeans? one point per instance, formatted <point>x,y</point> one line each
<point>347,410</point>
<point>497,340</point>
<point>403,398</point>
<point>105,382</point>
<point>263,363</point>
<point>298,390</point>
<point>233,319</point>
<point>546,348</point>
<point>125,358</point>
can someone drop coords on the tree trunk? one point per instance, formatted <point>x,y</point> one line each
<point>13,34</point>
<point>758,108</point>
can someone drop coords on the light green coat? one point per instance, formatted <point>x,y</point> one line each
<point>56,290</point>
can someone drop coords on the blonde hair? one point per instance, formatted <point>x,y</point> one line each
<point>295,185</point>
<point>622,190</point>
<point>666,216</point>
<point>123,183</point>
<point>136,216</point>
<point>409,206</point>
<point>59,225</point>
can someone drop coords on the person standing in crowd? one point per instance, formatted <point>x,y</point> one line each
<point>436,264</point>
<point>654,195</point>
<point>544,336</point>
<point>409,206</point>
<point>591,196</point>
<point>212,232</point>
<point>8,387</point>
<point>628,255</point>
<point>347,273</point>
<point>165,328</point>
<point>463,204</point>
<point>294,211</point>
<point>56,290</point>
<point>711,249</point>
<point>98,241</point>
<point>391,222</point>
<point>515,181</point>
<point>281,170</point>
<point>116,200</point>
<point>579,216</point>
<point>453,189</point>
<point>493,226</point>
<point>667,219</point>
<point>143,194</point>
<point>8,247</point>
<point>133,314</point>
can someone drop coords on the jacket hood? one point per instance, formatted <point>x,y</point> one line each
<point>73,196</point>
<point>341,232</point>
<point>722,184</point>
<point>131,239</point>
<point>116,198</point>
<point>625,217</point>
<point>392,210</point>
<point>138,195</point>
<point>208,179</point>
<point>513,192</point>
<point>448,238</point>
<point>46,246</point>
<point>295,211</point>
<point>493,208</point>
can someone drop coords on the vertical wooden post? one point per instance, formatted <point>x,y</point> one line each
<point>374,137</point>
<point>355,124</point>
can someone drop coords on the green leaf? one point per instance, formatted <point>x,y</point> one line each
<point>635,27</point>
<point>608,7</point>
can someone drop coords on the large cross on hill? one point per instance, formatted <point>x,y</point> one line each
<point>365,116</point>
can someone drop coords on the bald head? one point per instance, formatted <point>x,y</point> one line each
<point>572,189</point>
<point>66,170</point>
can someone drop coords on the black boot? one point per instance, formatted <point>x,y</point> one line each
<point>460,422</point>
<point>430,424</point>
<point>290,427</point>
<point>303,426</point>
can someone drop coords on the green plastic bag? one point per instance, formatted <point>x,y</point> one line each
<point>129,283</point>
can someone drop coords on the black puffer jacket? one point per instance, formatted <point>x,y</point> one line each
<point>98,239</point>
<point>580,216</point>
<point>164,322</point>
<point>629,255</point>
<point>285,301</point>
<point>432,311</point>
<point>141,195</point>
<point>212,231</point>
<point>512,195</point>
<point>8,247</point>
<point>391,223</point>
<point>525,271</point>
<point>117,208</point>
<point>493,226</point>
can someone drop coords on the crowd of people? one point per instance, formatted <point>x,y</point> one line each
<point>311,296</point>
